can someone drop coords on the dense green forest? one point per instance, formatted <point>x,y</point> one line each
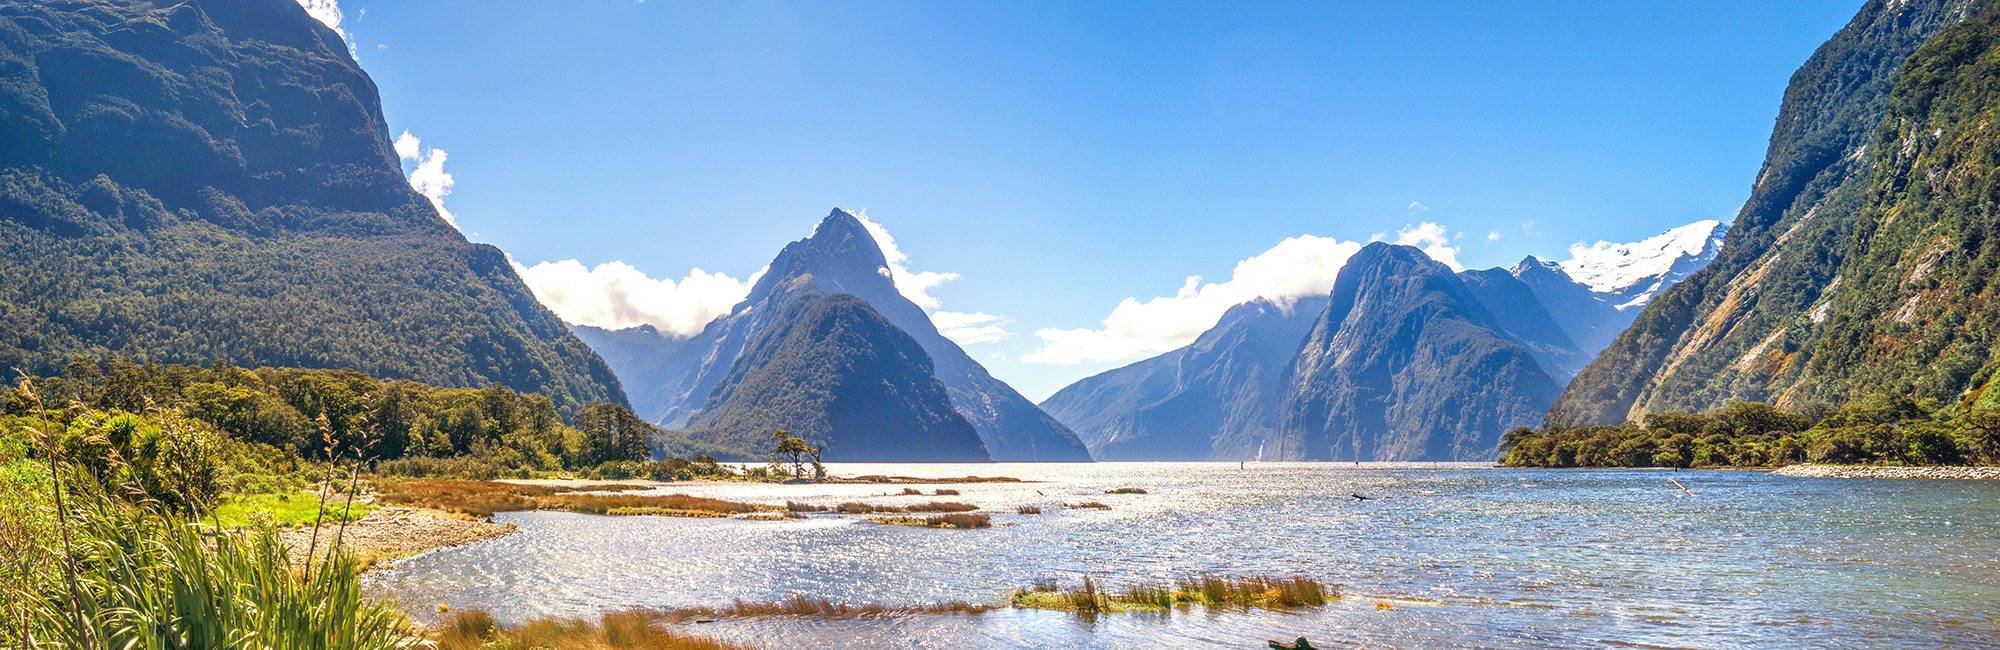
<point>1885,430</point>
<point>1863,260</point>
<point>184,182</point>
<point>265,418</point>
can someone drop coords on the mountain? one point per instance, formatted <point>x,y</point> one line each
<point>1216,399</point>
<point>1590,319</point>
<point>840,257</point>
<point>213,180</point>
<point>1862,261</point>
<point>1406,364</point>
<point>1631,274</point>
<point>833,370</point>
<point>1520,315</point>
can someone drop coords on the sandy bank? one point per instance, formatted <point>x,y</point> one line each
<point>1882,471</point>
<point>390,532</point>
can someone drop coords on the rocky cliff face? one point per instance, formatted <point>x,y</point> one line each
<point>1216,399</point>
<point>213,180</point>
<point>1861,261</point>
<point>1407,365</point>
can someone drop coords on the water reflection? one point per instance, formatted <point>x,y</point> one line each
<point>1474,557</point>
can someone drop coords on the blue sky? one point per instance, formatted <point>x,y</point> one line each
<point>1059,158</point>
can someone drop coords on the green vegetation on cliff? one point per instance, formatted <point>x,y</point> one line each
<point>213,180</point>
<point>1879,430</point>
<point>1863,260</point>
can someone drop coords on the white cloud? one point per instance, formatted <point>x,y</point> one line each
<point>1418,206</point>
<point>1493,235</point>
<point>427,175</point>
<point>1429,236</point>
<point>1297,267</point>
<point>613,295</point>
<point>964,328</point>
<point>915,285</point>
<point>970,327</point>
<point>327,12</point>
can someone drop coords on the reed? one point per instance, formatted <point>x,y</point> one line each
<point>619,630</point>
<point>1274,593</point>
<point>956,520</point>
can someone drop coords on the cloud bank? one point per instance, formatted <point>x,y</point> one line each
<point>427,175</point>
<point>1301,266</point>
<point>614,295</point>
<point>1297,267</point>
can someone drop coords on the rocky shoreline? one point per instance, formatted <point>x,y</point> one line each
<point>1890,471</point>
<point>390,532</point>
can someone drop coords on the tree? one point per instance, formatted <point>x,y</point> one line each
<point>795,451</point>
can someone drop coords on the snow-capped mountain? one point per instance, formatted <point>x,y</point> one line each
<point>1631,273</point>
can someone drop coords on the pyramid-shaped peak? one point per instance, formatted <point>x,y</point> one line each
<point>840,223</point>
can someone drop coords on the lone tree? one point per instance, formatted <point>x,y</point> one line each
<point>797,452</point>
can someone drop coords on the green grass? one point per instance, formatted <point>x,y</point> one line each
<point>285,510</point>
<point>1208,591</point>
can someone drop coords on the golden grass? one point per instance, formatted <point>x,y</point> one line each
<point>878,478</point>
<point>1027,510</point>
<point>1208,591</point>
<point>1091,505</point>
<point>620,630</point>
<point>798,506</point>
<point>484,498</point>
<point>802,605</point>
<point>956,520</point>
<point>859,508</point>
<point>1126,490</point>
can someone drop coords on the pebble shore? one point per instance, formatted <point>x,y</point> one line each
<point>1887,471</point>
<point>390,532</point>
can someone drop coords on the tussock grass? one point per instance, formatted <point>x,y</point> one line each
<point>803,605</point>
<point>1126,490</point>
<point>799,506</point>
<point>912,492</point>
<point>941,506</point>
<point>1264,592</point>
<point>135,577</point>
<point>957,520</point>
<point>484,498</point>
<point>878,478</point>
<point>620,630</point>
<point>944,492</point>
<point>859,508</point>
<point>1090,505</point>
<point>646,504</point>
<point>1027,510</point>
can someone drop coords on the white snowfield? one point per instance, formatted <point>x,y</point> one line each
<point>1635,271</point>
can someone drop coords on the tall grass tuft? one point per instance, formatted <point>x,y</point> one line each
<point>149,580</point>
<point>620,630</point>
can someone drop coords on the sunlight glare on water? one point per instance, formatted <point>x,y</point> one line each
<point>1465,556</point>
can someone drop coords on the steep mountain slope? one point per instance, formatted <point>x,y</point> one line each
<point>1521,317</point>
<point>833,370</point>
<point>841,257</point>
<point>1590,319</point>
<point>1215,399</point>
<point>213,180</point>
<point>1407,365</point>
<point>1861,260</point>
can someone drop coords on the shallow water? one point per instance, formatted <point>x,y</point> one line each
<point>1464,556</point>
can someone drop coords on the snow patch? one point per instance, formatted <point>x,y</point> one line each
<point>1645,265</point>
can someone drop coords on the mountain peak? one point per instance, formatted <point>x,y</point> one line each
<point>1635,268</point>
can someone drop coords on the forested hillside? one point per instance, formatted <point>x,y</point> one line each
<point>1864,258</point>
<point>213,180</point>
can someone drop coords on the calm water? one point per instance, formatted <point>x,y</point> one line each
<point>1465,557</point>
